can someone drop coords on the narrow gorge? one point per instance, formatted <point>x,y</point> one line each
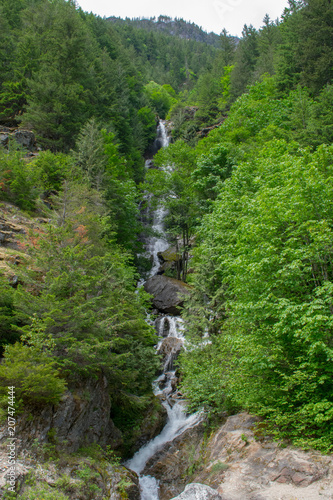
<point>166,255</point>
<point>167,294</point>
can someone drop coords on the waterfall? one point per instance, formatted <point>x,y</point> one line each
<point>168,327</point>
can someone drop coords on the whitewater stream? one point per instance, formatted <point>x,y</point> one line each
<point>167,326</point>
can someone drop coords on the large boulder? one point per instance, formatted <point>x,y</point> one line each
<point>197,491</point>
<point>241,463</point>
<point>168,293</point>
<point>26,139</point>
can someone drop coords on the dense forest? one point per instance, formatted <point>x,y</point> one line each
<point>249,197</point>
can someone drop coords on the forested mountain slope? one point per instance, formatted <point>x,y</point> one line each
<point>174,27</point>
<point>249,200</point>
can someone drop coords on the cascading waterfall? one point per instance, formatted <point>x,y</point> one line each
<point>167,327</point>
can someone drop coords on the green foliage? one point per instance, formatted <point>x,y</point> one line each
<point>33,373</point>
<point>9,316</point>
<point>212,169</point>
<point>269,237</point>
<point>52,169</point>
<point>160,97</point>
<point>148,120</point>
<point>43,492</point>
<point>18,180</point>
<point>86,309</point>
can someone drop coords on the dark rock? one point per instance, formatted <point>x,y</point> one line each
<point>81,418</point>
<point>168,293</point>
<point>152,425</point>
<point>25,138</point>
<point>14,281</point>
<point>162,326</point>
<point>4,139</point>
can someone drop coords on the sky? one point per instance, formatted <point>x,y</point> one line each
<point>211,15</point>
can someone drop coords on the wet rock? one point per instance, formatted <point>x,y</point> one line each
<point>172,465</point>
<point>162,325</point>
<point>170,350</point>
<point>129,479</point>
<point>152,425</point>
<point>238,466</point>
<point>168,293</point>
<point>197,491</point>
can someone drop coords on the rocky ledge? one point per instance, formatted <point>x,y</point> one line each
<point>240,464</point>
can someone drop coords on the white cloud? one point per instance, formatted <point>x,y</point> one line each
<point>211,15</point>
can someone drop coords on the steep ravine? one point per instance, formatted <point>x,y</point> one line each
<point>167,296</point>
<point>232,462</point>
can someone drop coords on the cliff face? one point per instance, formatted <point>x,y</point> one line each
<point>80,419</point>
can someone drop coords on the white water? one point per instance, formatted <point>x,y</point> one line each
<point>169,326</point>
<point>157,243</point>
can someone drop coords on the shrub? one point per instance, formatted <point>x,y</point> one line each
<point>33,373</point>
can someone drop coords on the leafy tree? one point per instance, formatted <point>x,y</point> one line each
<point>270,290</point>
<point>160,98</point>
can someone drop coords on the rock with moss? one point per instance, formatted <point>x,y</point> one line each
<point>49,473</point>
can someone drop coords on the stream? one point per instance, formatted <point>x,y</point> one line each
<point>164,386</point>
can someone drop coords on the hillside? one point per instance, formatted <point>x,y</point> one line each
<point>205,174</point>
<point>174,27</point>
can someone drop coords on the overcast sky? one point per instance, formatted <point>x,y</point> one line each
<point>211,15</point>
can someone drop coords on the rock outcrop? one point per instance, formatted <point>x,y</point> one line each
<point>68,476</point>
<point>169,260</point>
<point>25,138</point>
<point>240,464</point>
<point>168,293</point>
<point>81,418</point>
<point>15,230</point>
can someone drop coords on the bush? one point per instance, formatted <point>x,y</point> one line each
<point>33,374</point>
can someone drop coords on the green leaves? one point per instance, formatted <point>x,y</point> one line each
<point>33,373</point>
<point>268,284</point>
<point>160,98</point>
